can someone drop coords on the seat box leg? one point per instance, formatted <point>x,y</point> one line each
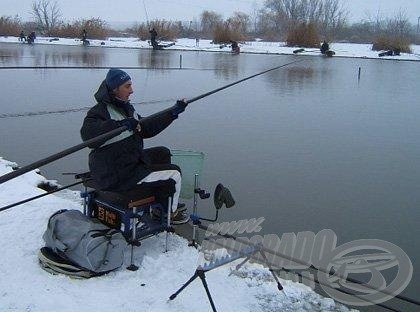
<point>134,241</point>
<point>168,221</point>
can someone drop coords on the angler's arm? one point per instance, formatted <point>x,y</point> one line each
<point>96,124</point>
<point>153,125</point>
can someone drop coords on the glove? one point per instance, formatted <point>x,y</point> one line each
<point>178,108</point>
<point>130,123</point>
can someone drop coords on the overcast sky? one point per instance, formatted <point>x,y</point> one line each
<point>185,10</point>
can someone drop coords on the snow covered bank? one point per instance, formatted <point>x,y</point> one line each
<point>256,47</point>
<point>24,286</point>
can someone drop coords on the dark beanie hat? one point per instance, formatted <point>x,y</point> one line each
<point>115,78</point>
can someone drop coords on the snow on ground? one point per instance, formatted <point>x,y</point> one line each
<point>24,286</point>
<point>256,47</point>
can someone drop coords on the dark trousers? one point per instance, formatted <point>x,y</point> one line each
<point>159,158</point>
<point>160,169</point>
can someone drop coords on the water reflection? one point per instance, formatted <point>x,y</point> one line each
<point>296,76</point>
<point>225,65</point>
<point>154,58</point>
<point>80,56</point>
<point>8,56</point>
<point>37,55</point>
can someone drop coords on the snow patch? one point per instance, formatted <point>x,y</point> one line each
<point>24,286</point>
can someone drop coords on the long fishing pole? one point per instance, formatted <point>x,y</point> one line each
<point>225,87</point>
<point>147,17</point>
<point>115,132</point>
<point>105,67</point>
<point>71,150</point>
<point>75,110</point>
<point>39,196</point>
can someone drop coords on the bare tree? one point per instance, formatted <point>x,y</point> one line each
<point>333,17</point>
<point>328,14</point>
<point>393,33</point>
<point>270,25</point>
<point>10,26</point>
<point>376,22</point>
<point>47,15</point>
<point>313,10</point>
<point>239,22</point>
<point>209,20</point>
<point>291,9</point>
<point>399,24</point>
<point>254,17</point>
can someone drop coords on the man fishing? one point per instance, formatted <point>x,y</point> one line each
<point>22,36</point>
<point>325,47</point>
<point>153,37</point>
<point>235,47</point>
<point>84,37</point>
<point>31,37</point>
<point>120,163</point>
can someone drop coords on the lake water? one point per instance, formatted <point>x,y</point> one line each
<point>308,146</point>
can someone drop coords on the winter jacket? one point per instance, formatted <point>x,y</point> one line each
<point>119,165</point>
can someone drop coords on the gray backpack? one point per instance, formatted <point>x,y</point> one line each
<point>84,241</point>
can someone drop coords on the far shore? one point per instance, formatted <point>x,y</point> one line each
<point>349,50</point>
